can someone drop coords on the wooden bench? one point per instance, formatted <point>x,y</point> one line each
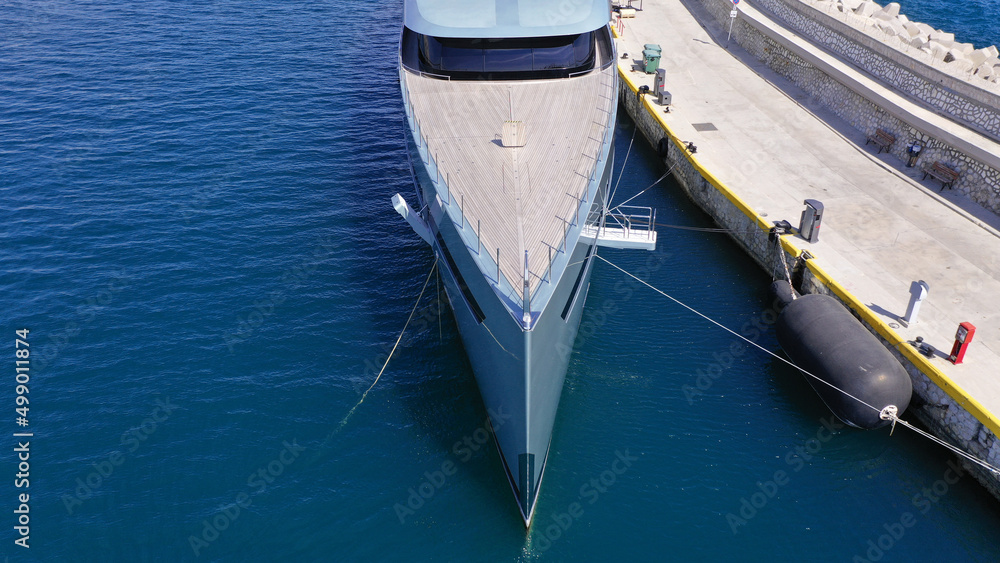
<point>939,171</point>
<point>883,139</point>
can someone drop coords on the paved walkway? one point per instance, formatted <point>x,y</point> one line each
<point>883,228</point>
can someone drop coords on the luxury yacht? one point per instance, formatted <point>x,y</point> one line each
<point>511,108</point>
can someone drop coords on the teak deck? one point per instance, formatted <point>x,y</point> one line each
<point>520,195</point>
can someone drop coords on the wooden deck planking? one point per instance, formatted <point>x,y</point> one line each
<point>519,194</point>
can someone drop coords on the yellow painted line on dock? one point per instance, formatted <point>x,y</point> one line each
<point>974,407</point>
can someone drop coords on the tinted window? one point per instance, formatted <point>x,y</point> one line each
<point>605,46</point>
<point>460,56</point>
<point>506,59</point>
<point>430,50</point>
<point>583,49</point>
<point>553,57</point>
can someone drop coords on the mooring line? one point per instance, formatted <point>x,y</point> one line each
<point>437,284</point>
<point>624,162</point>
<point>734,333</point>
<point>788,275</point>
<point>498,342</point>
<point>699,229</point>
<point>888,413</point>
<point>344,420</point>
<point>891,415</point>
<point>646,189</point>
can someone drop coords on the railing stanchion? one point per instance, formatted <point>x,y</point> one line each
<point>525,293</point>
<point>550,263</point>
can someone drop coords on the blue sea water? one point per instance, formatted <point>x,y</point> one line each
<point>198,235</point>
<point>972,21</point>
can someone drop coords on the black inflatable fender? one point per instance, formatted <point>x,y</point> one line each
<point>822,337</point>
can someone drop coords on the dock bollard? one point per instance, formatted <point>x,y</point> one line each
<point>918,292</point>
<point>812,218</point>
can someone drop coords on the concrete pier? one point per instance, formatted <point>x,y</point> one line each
<point>764,144</point>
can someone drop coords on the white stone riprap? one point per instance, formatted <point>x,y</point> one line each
<point>895,29</point>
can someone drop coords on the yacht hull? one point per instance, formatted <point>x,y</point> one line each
<point>520,373</point>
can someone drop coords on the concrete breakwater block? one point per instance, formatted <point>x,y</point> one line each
<point>960,66</point>
<point>882,15</point>
<point>867,9</point>
<point>893,28</point>
<point>978,56</point>
<point>942,43</point>
<point>938,35</point>
<point>962,60</point>
<point>938,51</point>
<point>912,29</point>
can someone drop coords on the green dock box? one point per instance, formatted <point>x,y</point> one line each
<point>650,60</point>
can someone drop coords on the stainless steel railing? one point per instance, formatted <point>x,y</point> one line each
<point>631,218</point>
